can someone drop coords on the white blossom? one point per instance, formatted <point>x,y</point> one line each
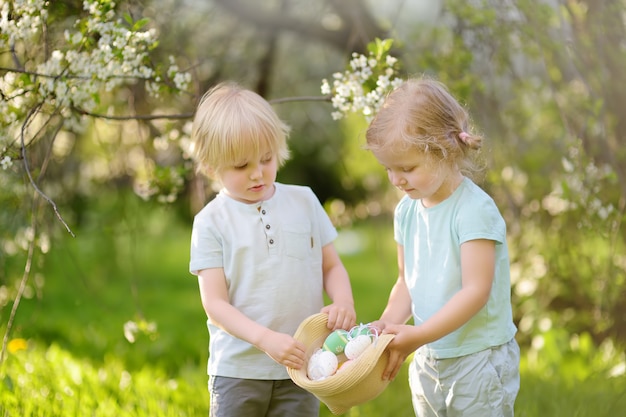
<point>325,87</point>
<point>349,91</point>
<point>6,162</point>
<point>98,54</point>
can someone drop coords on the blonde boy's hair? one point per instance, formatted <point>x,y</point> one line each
<point>422,114</point>
<point>232,124</point>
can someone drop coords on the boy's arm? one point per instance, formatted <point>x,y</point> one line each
<point>341,313</point>
<point>281,347</point>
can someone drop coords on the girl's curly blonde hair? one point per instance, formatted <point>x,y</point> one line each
<point>422,114</point>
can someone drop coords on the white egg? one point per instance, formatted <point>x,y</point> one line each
<point>357,346</point>
<point>322,364</point>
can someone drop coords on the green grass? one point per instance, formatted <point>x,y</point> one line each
<point>77,361</point>
<point>368,254</point>
<point>594,397</point>
<point>50,381</point>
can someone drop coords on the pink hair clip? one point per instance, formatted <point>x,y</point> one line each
<point>464,136</point>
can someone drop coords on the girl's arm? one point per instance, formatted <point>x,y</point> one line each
<point>398,309</point>
<point>341,313</point>
<point>281,347</point>
<point>397,312</point>
<point>477,271</point>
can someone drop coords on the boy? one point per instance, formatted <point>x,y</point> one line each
<point>264,256</point>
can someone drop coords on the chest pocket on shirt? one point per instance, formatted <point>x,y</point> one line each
<point>298,240</point>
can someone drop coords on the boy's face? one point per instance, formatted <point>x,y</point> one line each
<point>252,179</point>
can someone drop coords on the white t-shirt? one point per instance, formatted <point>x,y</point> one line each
<point>432,239</point>
<point>271,253</point>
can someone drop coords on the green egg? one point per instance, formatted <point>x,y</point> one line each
<point>360,330</point>
<point>336,341</point>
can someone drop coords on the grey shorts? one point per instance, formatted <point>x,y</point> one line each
<point>483,384</point>
<point>234,397</point>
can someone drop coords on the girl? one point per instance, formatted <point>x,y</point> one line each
<point>452,259</point>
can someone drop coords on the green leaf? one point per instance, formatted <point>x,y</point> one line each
<point>379,47</point>
<point>140,23</point>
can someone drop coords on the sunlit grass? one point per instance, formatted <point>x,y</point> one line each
<point>50,381</point>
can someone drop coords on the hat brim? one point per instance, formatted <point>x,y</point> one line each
<point>361,382</point>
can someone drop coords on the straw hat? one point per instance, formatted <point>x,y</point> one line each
<point>359,383</point>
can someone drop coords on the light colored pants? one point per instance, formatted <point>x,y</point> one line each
<point>234,397</point>
<point>483,384</point>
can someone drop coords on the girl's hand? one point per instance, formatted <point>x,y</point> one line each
<point>405,342</point>
<point>340,316</point>
<point>379,325</point>
<point>284,349</point>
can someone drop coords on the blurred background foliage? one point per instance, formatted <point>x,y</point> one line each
<point>542,80</point>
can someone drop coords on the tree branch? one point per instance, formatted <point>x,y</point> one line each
<point>23,282</point>
<point>30,114</point>
<point>189,115</point>
<point>301,98</point>
<point>134,117</point>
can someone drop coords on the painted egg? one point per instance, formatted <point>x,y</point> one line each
<point>322,364</point>
<point>344,365</point>
<point>357,346</point>
<point>336,341</point>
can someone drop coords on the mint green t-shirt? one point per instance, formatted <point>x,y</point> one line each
<point>432,239</point>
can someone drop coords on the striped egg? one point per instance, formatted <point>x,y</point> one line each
<point>336,341</point>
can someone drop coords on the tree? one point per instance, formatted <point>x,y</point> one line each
<point>48,94</point>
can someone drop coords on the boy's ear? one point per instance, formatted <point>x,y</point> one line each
<point>211,173</point>
<point>205,169</point>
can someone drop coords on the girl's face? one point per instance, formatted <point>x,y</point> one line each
<point>252,179</point>
<point>418,176</point>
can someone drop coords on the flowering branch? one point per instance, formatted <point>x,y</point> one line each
<point>363,86</point>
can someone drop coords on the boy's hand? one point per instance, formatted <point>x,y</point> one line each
<point>284,349</point>
<point>340,316</point>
